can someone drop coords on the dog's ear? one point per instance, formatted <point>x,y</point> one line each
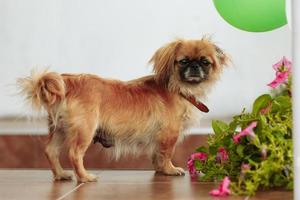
<point>222,57</point>
<point>163,61</point>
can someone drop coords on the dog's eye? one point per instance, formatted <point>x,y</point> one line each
<point>184,61</point>
<point>205,62</point>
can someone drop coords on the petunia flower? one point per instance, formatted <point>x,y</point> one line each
<point>200,156</point>
<point>283,65</point>
<point>247,131</point>
<point>222,155</point>
<point>283,70</point>
<point>244,169</point>
<point>191,167</point>
<point>281,77</point>
<point>195,156</point>
<point>223,189</point>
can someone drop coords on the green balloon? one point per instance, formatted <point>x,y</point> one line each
<point>253,15</point>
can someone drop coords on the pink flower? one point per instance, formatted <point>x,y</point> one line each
<point>247,131</point>
<point>199,156</point>
<point>223,189</point>
<point>222,155</point>
<point>283,65</point>
<point>195,156</point>
<point>191,167</point>
<point>245,167</point>
<point>283,70</point>
<point>281,77</point>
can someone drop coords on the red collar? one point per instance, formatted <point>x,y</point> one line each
<point>198,104</point>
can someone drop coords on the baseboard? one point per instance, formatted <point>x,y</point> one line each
<point>27,151</point>
<point>38,126</point>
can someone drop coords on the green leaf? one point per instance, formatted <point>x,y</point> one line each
<point>260,103</point>
<point>197,164</point>
<point>233,125</point>
<point>263,120</point>
<point>219,127</point>
<point>290,185</point>
<point>227,140</point>
<point>283,101</point>
<point>202,149</point>
<point>240,150</point>
<point>213,150</point>
<point>256,142</point>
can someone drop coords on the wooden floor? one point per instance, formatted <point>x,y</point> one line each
<point>113,184</point>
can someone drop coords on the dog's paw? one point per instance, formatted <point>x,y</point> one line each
<point>87,178</point>
<point>175,171</point>
<point>63,176</point>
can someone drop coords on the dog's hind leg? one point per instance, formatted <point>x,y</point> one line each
<point>52,151</point>
<point>80,138</point>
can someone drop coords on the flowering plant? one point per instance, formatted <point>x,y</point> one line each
<point>255,149</point>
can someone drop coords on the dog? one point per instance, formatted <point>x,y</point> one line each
<point>145,115</point>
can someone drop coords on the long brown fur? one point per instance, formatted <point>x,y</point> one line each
<point>142,115</point>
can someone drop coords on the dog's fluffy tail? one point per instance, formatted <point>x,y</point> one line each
<point>43,89</point>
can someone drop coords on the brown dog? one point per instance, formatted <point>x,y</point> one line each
<point>143,115</point>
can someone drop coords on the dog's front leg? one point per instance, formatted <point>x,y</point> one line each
<point>162,158</point>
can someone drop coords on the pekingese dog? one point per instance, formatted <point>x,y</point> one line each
<point>147,114</point>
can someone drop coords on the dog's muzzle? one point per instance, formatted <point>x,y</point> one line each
<point>193,73</point>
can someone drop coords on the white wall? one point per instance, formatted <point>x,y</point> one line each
<point>116,38</point>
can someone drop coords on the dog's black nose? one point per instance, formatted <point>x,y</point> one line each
<point>194,69</point>
<point>194,65</point>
